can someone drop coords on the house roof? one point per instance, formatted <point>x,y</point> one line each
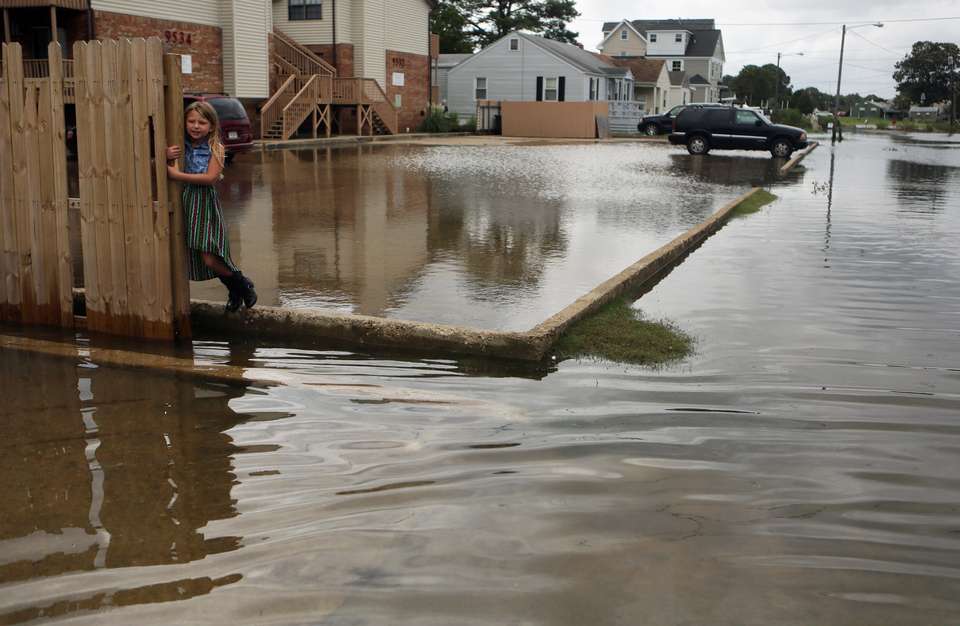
<point>678,79</point>
<point>697,79</point>
<point>574,55</point>
<point>449,59</point>
<point>608,33</point>
<point>643,70</point>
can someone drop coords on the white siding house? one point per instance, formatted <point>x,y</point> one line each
<point>524,67</point>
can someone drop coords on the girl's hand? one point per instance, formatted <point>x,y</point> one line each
<point>173,153</point>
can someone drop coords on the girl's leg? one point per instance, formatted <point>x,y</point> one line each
<point>216,264</point>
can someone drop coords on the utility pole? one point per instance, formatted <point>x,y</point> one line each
<point>836,99</point>
<point>837,134</point>
<point>776,99</point>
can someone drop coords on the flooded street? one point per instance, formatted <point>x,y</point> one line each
<point>802,467</point>
<point>496,237</point>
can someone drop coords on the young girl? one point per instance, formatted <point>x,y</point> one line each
<point>206,232</point>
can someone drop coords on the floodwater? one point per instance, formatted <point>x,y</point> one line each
<point>801,468</point>
<point>496,237</point>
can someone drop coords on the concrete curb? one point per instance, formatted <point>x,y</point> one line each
<point>789,165</point>
<point>360,330</point>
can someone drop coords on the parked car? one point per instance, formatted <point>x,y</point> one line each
<point>651,125</point>
<point>729,128</point>
<point>235,130</point>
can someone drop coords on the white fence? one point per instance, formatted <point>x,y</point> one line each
<point>624,116</point>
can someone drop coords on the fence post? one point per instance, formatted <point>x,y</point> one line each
<point>173,104</point>
<point>64,269</point>
<point>9,262</point>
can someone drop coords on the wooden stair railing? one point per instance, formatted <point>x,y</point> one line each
<point>301,105</point>
<point>305,61</point>
<point>374,95</point>
<point>272,111</point>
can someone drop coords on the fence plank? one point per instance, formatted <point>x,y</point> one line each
<point>44,216</point>
<point>178,248</point>
<point>100,169</point>
<point>161,218</point>
<point>58,165</point>
<point>131,213</point>
<point>22,196</point>
<point>82,53</point>
<point>9,265</point>
<point>113,158</point>
<point>144,180</point>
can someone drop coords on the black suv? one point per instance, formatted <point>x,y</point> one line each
<point>730,128</point>
<point>658,124</point>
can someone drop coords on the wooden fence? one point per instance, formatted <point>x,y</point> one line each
<point>129,107</point>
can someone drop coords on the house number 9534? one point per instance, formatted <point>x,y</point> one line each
<point>178,36</point>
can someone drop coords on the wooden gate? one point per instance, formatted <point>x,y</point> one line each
<point>129,107</point>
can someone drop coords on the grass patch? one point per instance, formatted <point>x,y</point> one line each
<point>754,203</point>
<point>618,333</point>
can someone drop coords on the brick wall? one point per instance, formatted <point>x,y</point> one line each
<point>344,62</point>
<point>203,43</point>
<point>415,92</point>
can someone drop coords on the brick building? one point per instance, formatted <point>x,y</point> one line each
<point>226,45</point>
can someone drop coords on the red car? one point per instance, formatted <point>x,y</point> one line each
<point>235,128</point>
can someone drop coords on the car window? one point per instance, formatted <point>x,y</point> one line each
<point>747,118</point>
<point>675,111</point>
<point>717,116</point>
<point>228,108</point>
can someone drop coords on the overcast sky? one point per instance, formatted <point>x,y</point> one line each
<point>814,29</point>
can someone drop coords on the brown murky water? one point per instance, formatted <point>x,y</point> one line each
<point>800,469</point>
<point>496,237</point>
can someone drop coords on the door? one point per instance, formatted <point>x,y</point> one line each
<point>749,131</point>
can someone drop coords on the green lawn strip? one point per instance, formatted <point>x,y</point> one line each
<point>754,203</point>
<point>619,333</point>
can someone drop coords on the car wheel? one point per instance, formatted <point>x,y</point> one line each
<point>781,149</point>
<point>698,144</point>
<point>650,130</point>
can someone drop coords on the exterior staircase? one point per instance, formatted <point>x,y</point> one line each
<point>306,86</point>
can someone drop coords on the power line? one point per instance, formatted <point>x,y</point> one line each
<point>873,43</point>
<point>847,22</point>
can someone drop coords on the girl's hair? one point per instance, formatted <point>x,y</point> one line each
<point>208,113</point>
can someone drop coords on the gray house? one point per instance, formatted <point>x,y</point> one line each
<point>446,62</point>
<point>523,67</point>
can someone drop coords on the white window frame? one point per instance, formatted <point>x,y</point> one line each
<point>514,44</point>
<point>593,89</point>
<point>653,37</point>
<point>623,35</point>
<point>476,87</point>
<point>547,89</point>
<point>677,37</point>
<point>672,61</point>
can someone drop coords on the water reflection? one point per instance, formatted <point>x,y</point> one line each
<point>920,187</point>
<point>728,169</point>
<point>453,234</point>
<point>103,471</point>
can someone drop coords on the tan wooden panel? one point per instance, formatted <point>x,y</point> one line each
<point>113,160</point>
<point>99,171</point>
<point>131,213</point>
<point>178,237</point>
<point>88,233</point>
<point>45,215</point>
<point>22,194</point>
<point>161,218</point>
<point>58,169</point>
<point>144,181</point>
<point>9,265</point>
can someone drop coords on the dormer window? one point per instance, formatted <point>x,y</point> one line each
<point>623,34</point>
<point>678,37</point>
<point>514,44</point>
<point>653,37</point>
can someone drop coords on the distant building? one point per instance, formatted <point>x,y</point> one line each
<point>930,113</point>
<point>693,46</point>
<point>874,108</point>
<point>651,82</point>
<point>446,62</point>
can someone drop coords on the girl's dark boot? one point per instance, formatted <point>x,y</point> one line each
<point>246,290</point>
<point>235,295</point>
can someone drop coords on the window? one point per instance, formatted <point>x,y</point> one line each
<point>747,118</point>
<point>304,10</point>
<point>594,89</point>
<point>623,34</point>
<point>676,66</point>
<point>514,44</point>
<point>653,37</point>
<point>678,37</point>
<point>480,90</point>
<point>398,101</point>
<point>550,89</point>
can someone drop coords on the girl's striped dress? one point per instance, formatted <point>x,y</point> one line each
<point>206,231</point>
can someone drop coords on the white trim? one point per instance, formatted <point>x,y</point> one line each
<point>486,87</point>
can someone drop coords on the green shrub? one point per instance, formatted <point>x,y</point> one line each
<point>471,125</point>
<point>792,117</point>
<point>883,124</point>
<point>906,125</point>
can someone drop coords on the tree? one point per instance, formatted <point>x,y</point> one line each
<point>482,22</point>
<point>929,72</point>
<point>806,100</point>
<point>447,22</point>
<point>757,84</point>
